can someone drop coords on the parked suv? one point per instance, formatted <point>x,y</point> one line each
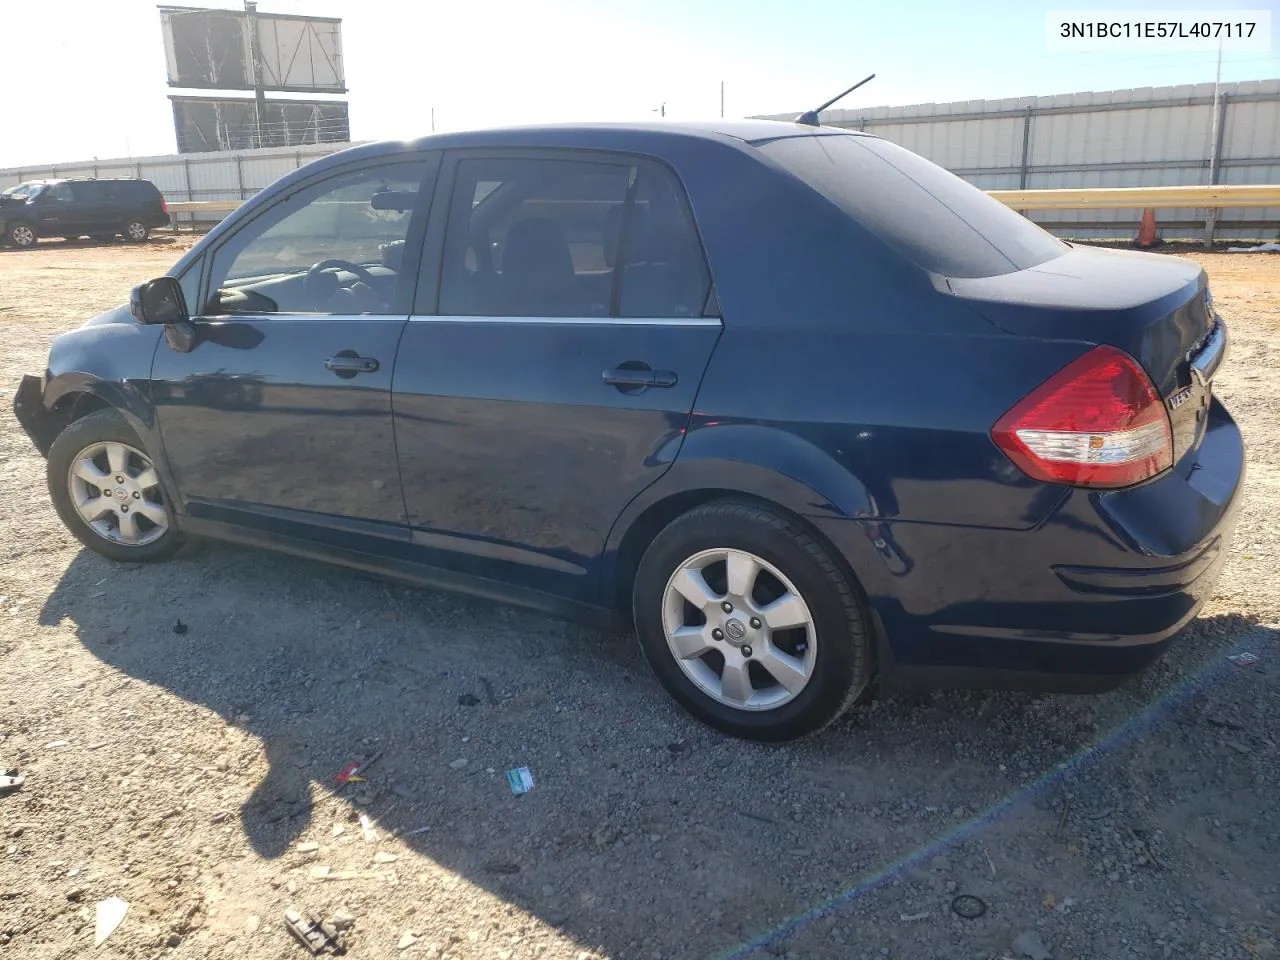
<point>803,406</point>
<point>72,208</point>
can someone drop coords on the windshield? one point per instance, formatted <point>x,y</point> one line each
<point>23,191</point>
<point>930,216</point>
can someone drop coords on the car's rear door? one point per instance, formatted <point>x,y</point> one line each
<point>92,208</point>
<point>279,415</point>
<point>547,374</point>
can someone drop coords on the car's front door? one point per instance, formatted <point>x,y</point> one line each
<point>279,415</point>
<point>549,369</point>
<point>58,211</point>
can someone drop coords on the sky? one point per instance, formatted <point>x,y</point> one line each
<point>96,82</point>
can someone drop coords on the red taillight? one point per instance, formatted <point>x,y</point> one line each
<point>164,206</point>
<point>1096,423</point>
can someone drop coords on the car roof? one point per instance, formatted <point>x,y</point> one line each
<point>608,136</point>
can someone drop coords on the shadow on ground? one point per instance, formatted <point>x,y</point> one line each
<point>646,834</point>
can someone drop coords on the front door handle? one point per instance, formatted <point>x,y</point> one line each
<point>635,376</point>
<point>351,364</point>
<point>348,363</point>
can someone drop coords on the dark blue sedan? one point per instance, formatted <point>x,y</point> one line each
<point>809,410</point>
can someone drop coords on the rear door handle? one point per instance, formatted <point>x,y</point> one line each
<point>639,377</point>
<point>348,364</point>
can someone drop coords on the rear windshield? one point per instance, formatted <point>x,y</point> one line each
<point>932,217</point>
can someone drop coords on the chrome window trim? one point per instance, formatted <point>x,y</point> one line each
<point>578,321</point>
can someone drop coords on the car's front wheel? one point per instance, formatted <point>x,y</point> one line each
<point>107,492</point>
<point>21,235</point>
<point>750,622</point>
<point>135,231</point>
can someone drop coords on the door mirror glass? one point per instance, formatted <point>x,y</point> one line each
<point>158,301</point>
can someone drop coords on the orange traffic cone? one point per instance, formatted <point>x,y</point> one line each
<point>1147,230</point>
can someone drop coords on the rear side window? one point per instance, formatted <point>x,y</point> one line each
<point>138,190</point>
<point>567,238</point>
<point>59,191</point>
<point>664,273</point>
<point>930,216</point>
<point>531,238</point>
<point>87,191</point>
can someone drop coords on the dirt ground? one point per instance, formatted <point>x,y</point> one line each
<point>192,775</point>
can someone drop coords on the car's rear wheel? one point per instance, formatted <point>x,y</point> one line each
<point>21,235</point>
<point>135,231</point>
<point>750,622</point>
<point>106,490</point>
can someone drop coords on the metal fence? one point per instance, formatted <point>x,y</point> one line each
<point>228,175</point>
<point>1151,137</point>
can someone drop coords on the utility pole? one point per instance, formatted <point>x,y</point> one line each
<point>259,98</point>
<point>433,119</point>
<point>1211,215</point>
<point>721,99</point>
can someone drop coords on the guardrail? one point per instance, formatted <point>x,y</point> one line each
<point>1110,198</point>
<point>1208,198</point>
<point>1141,198</point>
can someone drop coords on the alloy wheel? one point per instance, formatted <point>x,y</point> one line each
<point>115,490</point>
<point>739,629</point>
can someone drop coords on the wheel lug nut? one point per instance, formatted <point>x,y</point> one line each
<point>124,508</point>
<point>137,495</point>
<point>746,651</point>
<point>755,623</point>
<point>717,634</point>
<point>119,479</point>
<point>727,607</point>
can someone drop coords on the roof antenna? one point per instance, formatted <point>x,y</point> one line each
<point>810,117</point>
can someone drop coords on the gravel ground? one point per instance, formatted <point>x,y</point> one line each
<point>192,774</point>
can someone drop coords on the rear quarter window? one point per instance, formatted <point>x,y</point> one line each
<point>930,216</point>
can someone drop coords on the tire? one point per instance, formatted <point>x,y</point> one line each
<point>21,235</point>
<point>142,503</point>
<point>135,231</point>
<point>832,650</point>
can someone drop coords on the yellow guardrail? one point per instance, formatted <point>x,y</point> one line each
<point>203,206</point>
<point>1109,198</point>
<point>1141,198</point>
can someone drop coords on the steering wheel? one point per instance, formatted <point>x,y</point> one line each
<point>318,268</point>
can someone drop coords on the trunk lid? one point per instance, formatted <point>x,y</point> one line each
<point>1155,308</point>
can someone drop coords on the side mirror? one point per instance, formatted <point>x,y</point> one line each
<point>158,301</point>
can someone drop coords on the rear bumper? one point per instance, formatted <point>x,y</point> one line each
<point>1081,602</point>
<point>39,423</point>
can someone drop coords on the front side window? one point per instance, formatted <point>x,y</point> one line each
<point>332,248</point>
